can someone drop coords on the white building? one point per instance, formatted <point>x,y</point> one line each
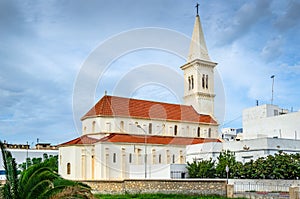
<point>231,134</point>
<point>270,121</point>
<point>122,135</point>
<point>267,129</point>
<point>244,150</point>
<point>20,156</point>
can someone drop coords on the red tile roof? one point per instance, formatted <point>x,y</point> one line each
<point>130,138</point>
<point>165,140</point>
<point>81,140</point>
<point>128,107</point>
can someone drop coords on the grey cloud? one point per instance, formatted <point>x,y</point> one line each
<point>246,17</point>
<point>290,18</point>
<point>273,49</point>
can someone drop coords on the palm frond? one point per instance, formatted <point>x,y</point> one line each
<point>11,186</point>
<point>40,175</point>
<point>39,189</point>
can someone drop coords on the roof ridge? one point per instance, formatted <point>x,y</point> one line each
<point>139,138</point>
<point>131,107</point>
<point>130,98</point>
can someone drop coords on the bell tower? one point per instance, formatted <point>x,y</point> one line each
<point>199,74</point>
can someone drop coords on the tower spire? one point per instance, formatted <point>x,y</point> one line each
<point>199,73</point>
<point>198,48</point>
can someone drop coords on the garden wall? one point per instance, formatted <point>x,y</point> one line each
<point>178,186</point>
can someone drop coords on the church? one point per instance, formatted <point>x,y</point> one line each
<point>133,138</point>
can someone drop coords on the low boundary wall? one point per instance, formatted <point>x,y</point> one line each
<point>170,186</point>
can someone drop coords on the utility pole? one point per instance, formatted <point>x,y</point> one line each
<point>272,77</point>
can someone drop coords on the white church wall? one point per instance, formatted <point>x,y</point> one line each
<point>159,127</point>
<point>113,160</point>
<point>70,155</point>
<point>76,162</point>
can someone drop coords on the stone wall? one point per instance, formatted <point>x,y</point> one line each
<point>178,186</point>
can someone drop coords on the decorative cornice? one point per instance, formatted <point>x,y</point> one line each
<point>201,62</point>
<point>200,94</point>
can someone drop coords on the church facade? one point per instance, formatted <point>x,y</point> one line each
<point>121,133</point>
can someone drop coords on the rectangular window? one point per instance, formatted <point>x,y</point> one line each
<point>130,158</point>
<point>209,132</point>
<point>108,127</point>
<point>150,128</point>
<point>175,130</point>
<point>69,168</point>
<point>114,158</point>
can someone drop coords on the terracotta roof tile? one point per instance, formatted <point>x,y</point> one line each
<point>130,138</point>
<point>80,140</point>
<point>165,140</point>
<point>128,107</point>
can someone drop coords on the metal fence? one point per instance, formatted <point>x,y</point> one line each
<point>263,185</point>
<point>178,174</point>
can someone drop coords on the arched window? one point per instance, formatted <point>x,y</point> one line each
<point>159,158</point>
<point>93,126</point>
<point>175,130</point>
<point>68,168</point>
<point>198,132</point>
<point>206,81</point>
<point>203,81</point>
<point>150,128</point>
<point>192,80</point>
<point>173,159</point>
<point>209,132</point>
<point>189,79</point>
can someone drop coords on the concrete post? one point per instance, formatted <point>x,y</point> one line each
<point>229,190</point>
<point>294,192</point>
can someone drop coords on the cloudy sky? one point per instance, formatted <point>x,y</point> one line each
<point>47,49</point>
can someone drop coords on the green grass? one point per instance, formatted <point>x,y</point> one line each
<point>156,196</point>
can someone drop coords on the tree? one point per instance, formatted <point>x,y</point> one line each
<point>52,162</point>
<point>38,181</point>
<point>202,169</point>
<point>226,158</point>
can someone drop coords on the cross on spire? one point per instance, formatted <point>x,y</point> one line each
<point>197,6</point>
